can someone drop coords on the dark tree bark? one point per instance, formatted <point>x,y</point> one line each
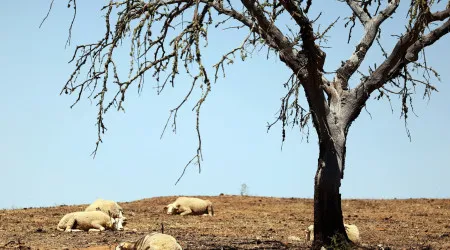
<point>328,220</point>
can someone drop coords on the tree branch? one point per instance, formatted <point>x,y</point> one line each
<point>229,12</point>
<point>405,51</point>
<point>427,40</point>
<point>273,36</point>
<point>315,55</point>
<point>358,11</point>
<point>310,70</point>
<point>371,27</point>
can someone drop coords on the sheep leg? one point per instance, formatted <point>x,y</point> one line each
<point>60,229</point>
<point>96,227</point>
<point>210,210</point>
<point>70,224</point>
<point>186,212</point>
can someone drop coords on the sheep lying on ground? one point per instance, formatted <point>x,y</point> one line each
<point>189,205</point>
<point>108,207</point>
<point>153,241</point>
<point>89,221</point>
<point>351,230</point>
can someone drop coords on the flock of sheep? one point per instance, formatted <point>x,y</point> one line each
<point>106,214</point>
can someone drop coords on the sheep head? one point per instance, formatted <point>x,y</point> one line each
<point>125,245</point>
<point>172,209</point>
<point>117,223</point>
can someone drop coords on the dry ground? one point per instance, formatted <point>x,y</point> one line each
<point>239,223</point>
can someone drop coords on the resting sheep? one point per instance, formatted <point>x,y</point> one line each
<point>351,230</point>
<point>89,221</point>
<point>153,241</point>
<point>106,206</point>
<point>190,205</point>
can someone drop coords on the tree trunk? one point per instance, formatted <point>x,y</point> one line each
<point>328,220</point>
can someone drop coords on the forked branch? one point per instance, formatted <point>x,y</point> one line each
<point>371,28</point>
<point>404,54</point>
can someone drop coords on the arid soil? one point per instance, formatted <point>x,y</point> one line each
<point>240,222</point>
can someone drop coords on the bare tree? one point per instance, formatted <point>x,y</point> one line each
<point>167,37</point>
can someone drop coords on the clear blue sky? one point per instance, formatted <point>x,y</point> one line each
<point>45,146</point>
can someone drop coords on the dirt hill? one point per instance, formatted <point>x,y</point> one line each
<point>240,222</point>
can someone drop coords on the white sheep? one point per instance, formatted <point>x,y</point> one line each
<point>106,206</point>
<point>89,221</point>
<point>351,230</point>
<point>190,205</point>
<point>153,241</point>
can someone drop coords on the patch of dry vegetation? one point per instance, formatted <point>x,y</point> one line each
<point>240,222</point>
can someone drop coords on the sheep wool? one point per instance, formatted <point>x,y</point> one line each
<point>351,230</point>
<point>190,205</point>
<point>87,221</point>
<point>106,206</point>
<point>153,241</point>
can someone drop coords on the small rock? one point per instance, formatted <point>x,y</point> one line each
<point>444,235</point>
<point>381,247</point>
<point>294,238</point>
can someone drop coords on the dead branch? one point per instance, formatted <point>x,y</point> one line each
<point>48,13</point>
<point>371,28</point>
<point>402,57</point>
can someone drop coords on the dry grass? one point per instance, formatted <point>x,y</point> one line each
<point>240,222</point>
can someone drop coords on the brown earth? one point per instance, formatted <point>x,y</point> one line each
<point>240,222</point>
